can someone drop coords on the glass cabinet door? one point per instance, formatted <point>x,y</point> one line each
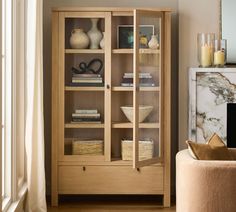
<point>83,74</point>
<point>147,98</point>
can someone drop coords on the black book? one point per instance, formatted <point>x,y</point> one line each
<point>143,80</point>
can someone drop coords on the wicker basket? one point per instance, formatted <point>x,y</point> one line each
<point>145,149</point>
<point>87,147</point>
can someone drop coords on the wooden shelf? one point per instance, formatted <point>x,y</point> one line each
<point>74,88</point>
<point>114,125</point>
<point>84,51</point>
<point>141,125</point>
<point>131,51</point>
<point>122,88</point>
<point>81,125</point>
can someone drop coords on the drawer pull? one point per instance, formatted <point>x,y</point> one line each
<point>84,168</point>
<point>138,169</point>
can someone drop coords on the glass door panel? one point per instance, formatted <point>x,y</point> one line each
<point>147,98</point>
<point>84,75</point>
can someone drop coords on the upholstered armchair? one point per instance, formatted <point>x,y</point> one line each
<point>204,185</point>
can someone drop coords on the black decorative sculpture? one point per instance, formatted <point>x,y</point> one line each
<point>84,68</point>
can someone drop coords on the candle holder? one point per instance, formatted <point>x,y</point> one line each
<point>220,54</point>
<point>205,49</point>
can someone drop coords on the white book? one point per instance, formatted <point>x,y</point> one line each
<point>90,111</point>
<point>142,74</point>
<point>89,115</point>
<point>86,81</point>
<point>143,77</point>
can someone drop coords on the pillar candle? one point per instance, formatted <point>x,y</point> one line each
<point>219,58</point>
<point>206,56</point>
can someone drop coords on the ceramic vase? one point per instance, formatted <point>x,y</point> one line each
<point>79,39</point>
<point>153,43</point>
<point>94,34</point>
<point>102,42</point>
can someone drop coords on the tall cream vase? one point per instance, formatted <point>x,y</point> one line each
<point>94,34</point>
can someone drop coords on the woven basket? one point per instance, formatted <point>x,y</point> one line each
<point>87,147</point>
<point>145,149</point>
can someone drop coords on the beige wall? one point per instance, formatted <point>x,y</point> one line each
<point>194,16</point>
<point>48,4</point>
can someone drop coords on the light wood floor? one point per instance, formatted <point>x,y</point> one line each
<point>107,208</point>
<point>111,205</point>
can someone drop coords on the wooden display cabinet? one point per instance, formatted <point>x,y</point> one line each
<point>107,173</point>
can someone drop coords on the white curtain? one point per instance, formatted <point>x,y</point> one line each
<point>34,135</point>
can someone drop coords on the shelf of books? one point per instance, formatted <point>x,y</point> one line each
<point>145,81</point>
<point>82,116</point>
<point>86,80</point>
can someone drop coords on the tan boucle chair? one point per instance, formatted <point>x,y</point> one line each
<point>205,186</point>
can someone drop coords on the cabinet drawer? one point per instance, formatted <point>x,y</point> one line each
<point>110,180</point>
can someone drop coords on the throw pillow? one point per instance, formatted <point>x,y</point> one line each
<point>214,149</point>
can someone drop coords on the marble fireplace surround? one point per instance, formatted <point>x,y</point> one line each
<point>210,89</point>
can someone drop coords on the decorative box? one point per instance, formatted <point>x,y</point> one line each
<point>146,149</point>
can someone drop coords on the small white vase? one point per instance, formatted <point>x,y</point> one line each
<point>102,42</point>
<point>94,34</point>
<point>153,43</point>
<point>79,39</point>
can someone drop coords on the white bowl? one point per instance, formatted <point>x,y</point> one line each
<point>144,111</point>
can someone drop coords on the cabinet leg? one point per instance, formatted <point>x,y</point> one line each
<point>54,199</point>
<point>166,200</point>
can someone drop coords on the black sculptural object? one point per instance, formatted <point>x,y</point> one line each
<point>85,68</point>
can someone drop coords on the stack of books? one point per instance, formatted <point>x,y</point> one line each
<point>145,80</point>
<point>86,116</point>
<point>87,80</point>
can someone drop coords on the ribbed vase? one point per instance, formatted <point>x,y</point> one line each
<point>95,36</point>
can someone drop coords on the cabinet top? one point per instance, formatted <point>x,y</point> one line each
<point>107,9</point>
<point>212,69</point>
